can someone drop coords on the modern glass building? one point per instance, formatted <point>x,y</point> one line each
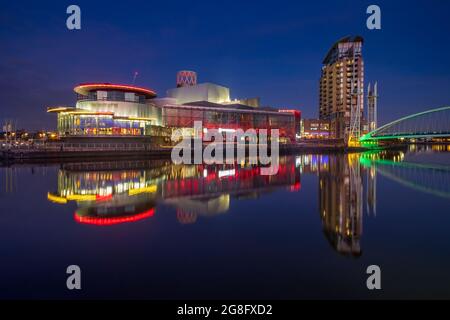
<point>104,109</point>
<point>115,110</point>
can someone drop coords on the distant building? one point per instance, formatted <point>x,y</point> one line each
<point>315,129</point>
<point>342,88</point>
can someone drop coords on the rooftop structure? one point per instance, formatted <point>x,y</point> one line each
<point>200,92</point>
<point>344,48</point>
<point>186,78</point>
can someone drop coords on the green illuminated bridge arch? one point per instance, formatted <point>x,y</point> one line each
<point>429,178</point>
<point>433,123</point>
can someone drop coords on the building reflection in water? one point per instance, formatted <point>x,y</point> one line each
<point>371,191</point>
<point>108,192</point>
<point>116,192</point>
<point>341,194</point>
<point>340,198</point>
<point>340,203</point>
<point>125,191</point>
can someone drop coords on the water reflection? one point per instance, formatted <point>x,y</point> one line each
<point>432,178</point>
<point>340,194</point>
<point>108,193</point>
<point>114,192</point>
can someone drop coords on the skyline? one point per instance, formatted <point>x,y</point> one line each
<point>277,58</point>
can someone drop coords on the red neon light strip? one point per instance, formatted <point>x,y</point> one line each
<point>112,221</point>
<point>114,86</point>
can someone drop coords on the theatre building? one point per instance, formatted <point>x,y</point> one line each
<point>108,110</point>
<point>118,112</point>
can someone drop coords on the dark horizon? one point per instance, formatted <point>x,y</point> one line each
<point>255,49</point>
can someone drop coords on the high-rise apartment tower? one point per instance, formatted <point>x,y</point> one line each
<point>342,88</point>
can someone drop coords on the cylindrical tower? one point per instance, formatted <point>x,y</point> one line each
<point>186,78</point>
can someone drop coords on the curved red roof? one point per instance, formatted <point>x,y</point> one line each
<point>85,88</point>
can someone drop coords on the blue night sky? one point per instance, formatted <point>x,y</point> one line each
<point>270,49</point>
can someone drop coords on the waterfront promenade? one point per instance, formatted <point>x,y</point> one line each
<point>59,150</point>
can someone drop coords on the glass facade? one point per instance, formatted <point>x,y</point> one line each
<point>112,110</point>
<point>112,95</point>
<point>185,116</point>
<point>76,124</point>
<point>109,111</point>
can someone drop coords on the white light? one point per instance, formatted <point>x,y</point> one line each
<point>226,173</point>
<point>226,130</point>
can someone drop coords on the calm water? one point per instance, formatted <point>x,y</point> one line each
<point>149,229</point>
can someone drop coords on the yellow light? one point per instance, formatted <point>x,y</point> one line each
<point>58,109</point>
<point>353,142</point>
<point>94,113</point>
<point>141,119</point>
<point>149,189</point>
<point>82,197</point>
<point>56,199</point>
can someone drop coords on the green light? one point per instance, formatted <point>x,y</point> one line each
<point>370,136</point>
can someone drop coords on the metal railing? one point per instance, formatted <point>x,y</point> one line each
<point>78,147</point>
